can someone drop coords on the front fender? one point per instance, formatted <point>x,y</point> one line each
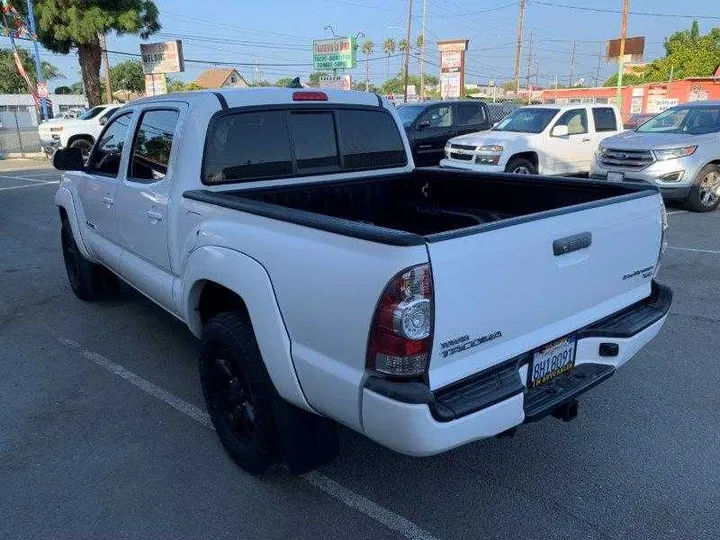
<point>64,199</point>
<point>247,278</point>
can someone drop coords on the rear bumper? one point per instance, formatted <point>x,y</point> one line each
<point>471,166</point>
<point>411,419</point>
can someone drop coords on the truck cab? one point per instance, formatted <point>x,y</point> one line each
<point>537,139</point>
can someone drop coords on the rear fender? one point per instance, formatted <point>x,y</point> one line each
<point>248,279</point>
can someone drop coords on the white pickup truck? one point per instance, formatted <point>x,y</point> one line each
<point>331,281</point>
<point>538,139</point>
<point>80,132</point>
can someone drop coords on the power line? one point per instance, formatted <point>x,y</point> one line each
<point>619,11</point>
<point>476,12</point>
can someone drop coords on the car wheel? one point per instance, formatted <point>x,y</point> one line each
<point>85,147</point>
<point>705,192</point>
<point>89,281</point>
<point>238,391</point>
<point>521,166</point>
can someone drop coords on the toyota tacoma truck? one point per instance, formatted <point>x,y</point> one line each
<point>537,139</point>
<point>331,282</point>
<point>678,151</point>
<point>79,132</point>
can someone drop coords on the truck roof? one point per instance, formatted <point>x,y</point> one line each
<point>566,107</point>
<point>239,97</point>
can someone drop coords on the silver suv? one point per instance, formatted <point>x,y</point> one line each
<point>678,151</point>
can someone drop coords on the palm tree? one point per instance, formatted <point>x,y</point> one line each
<point>403,48</point>
<point>389,50</point>
<point>367,49</point>
<point>421,61</point>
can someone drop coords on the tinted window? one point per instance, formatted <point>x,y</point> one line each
<point>604,119</point>
<point>108,113</point>
<point>313,136</point>
<point>437,117</point>
<point>408,113</point>
<point>575,120</point>
<point>106,156</point>
<point>370,139</point>
<point>91,113</point>
<point>247,146</point>
<point>152,146</point>
<point>469,114</point>
<point>691,120</point>
<point>526,120</point>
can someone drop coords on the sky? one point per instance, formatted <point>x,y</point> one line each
<point>272,38</point>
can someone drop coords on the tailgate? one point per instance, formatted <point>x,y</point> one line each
<point>505,291</point>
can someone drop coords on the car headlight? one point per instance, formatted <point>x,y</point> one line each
<point>56,129</point>
<point>600,151</point>
<point>493,149</point>
<point>674,153</point>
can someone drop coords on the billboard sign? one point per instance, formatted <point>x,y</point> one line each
<point>155,84</point>
<point>634,48</point>
<point>338,82</point>
<point>335,53</point>
<point>451,61</point>
<point>453,45</point>
<point>163,57</point>
<point>450,84</point>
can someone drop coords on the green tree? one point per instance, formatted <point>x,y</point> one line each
<point>314,78</point>
<point>284,82</point>
<point>420,44</point>
<point>66,24</point>
<point>396,84</point>
<point>176,85</point>
<point>688,53</point>
<point>389,49</point>
<point>10,80</point>
<point>367,50</point>
<point>128,75</point>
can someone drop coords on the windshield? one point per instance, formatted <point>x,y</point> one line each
<point>689,120</point>
<point>527,120</point>
<point>408,113</point>
<point>91,113</point>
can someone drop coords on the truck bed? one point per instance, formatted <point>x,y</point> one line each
<point>427,204</point>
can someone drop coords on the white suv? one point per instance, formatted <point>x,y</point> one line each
<point>80,132</point>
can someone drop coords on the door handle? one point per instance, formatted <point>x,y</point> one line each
<point>152,214</point>
<point>109,201</point>
<point>587,139</point>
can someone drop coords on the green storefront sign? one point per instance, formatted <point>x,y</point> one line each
<point>335,53</point>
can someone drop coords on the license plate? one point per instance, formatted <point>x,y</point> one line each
<point>615,176</point>
<point>552,360</point>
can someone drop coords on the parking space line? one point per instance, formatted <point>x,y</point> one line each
<point>25,178</point>
<point>30,185</point>
<point>677,212</point>
<point>378,513</point>
<point>695,250</point>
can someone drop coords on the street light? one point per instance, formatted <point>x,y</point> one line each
<point>328,27</point>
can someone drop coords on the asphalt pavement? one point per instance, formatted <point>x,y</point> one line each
<point>103,432</point>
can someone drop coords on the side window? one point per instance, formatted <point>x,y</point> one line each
<point>575,120</point>
<point>105,158</point>
<point>604,118</point>
<point>469,114</point>
<point>152,145</point>
<point>370,140</point>
<point>107,114</point>
<point>313,137</point>
<point>247,146</point>
<point>437,117</point>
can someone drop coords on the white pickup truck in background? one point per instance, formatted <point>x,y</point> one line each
<point>80,132</point>
<point>538,139</point>
<point>331,281</point>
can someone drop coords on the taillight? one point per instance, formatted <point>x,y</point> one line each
<point>401,330</point>
<point>309,96</point>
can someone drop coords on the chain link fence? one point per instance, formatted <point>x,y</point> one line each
<point>501,109</point>
<point>18,135</point>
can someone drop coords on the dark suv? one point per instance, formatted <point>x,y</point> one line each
<point>431,124</point>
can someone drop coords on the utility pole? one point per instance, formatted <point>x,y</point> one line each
<point>672,72</point>
<point>106,63</point>
<point>38,63</point>
<point>529,65</point>
<point>518,46</point>
<point>621,62</point>
<point>599,67</point>
<point>422,54</point>
<point>407,52</point>
<point>572,64</point>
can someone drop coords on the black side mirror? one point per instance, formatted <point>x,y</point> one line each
<point>68,159</point>
<point>103,120</point>
<point>423,124</point>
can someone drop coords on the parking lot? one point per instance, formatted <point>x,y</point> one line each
<point>103,430</point>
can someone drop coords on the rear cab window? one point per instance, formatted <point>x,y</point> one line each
<point>245,146</point>
<point>605,119</point>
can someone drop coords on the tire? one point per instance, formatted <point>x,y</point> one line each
<point>705,192</point>
<point>89,281</point>
<point>521,166</point>
<point>85,147</point>
<point>238,391</point>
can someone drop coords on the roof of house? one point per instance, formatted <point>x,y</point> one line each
<point>215,78</point>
